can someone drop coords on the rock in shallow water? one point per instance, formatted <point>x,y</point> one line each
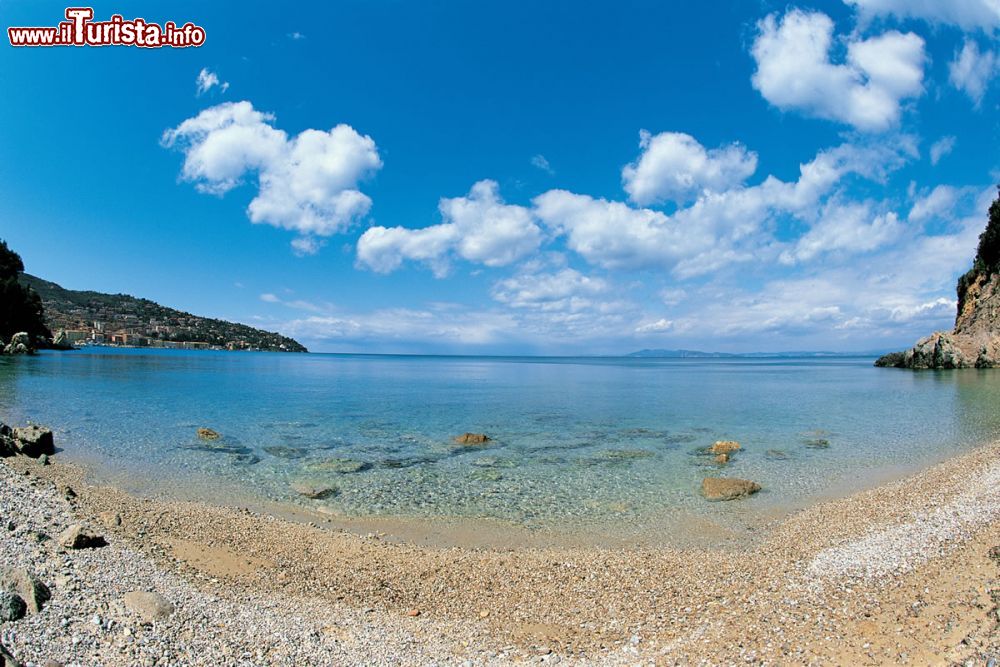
<point>727,488</point>
<point>724,447</point>
<point>208,434</point>
<point>314,490</point>
<point>471,439</point>
<point>148,606</point>
<point>338,465</point>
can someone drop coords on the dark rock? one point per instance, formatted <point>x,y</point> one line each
<point>816,443</point>
<point>68,492</point>
<point>727,488</point>
<point>6,659</point>
<point>8,446</point>
<point>34,440</point>
<point>79,537</point>
<point>12,606</point>
<point>25,584</point>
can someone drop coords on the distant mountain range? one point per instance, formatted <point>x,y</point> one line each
<point>87,317</point>
<point>697,354</point>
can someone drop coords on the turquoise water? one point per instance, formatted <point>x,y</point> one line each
<point>577,442</point>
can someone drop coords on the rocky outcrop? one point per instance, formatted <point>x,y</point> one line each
<point>25,585</point>
<point>34,441</point>
<point>20,343</point>
<point>975,340</point>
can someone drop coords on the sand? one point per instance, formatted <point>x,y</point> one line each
<point>900,574</point>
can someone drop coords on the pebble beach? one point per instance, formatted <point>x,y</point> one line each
<point>899,574</point>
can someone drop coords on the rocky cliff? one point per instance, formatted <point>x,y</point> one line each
<point>975,340</point>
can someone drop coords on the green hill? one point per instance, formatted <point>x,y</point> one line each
<point>95,316</point>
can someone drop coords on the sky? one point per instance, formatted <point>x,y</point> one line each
<point>530,177</point>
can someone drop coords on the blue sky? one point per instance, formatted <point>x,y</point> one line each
<point>536,177</point>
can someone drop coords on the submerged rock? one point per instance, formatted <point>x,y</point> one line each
<point>727,488</point>
<point>471,439</point>
<point>148,606</point>
<point>314,490</point>
<point>208,434</point>
<point>26,585</point>
<point>776,455</point>
<point>285,452</point>
<point>338,465</point>
<point>724,447</point>
<point>494,462</point>
<point>722,459</point>
<point>34,440</point>
<point>486,475</point>
<point>79,537</point>
<point>616,456</point>
<point>817,443</point>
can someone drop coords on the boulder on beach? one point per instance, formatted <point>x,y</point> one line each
<point>8,446</point>
<point>727,488</point>
<point>79,537</point>
<point>34,440</point>
<point>12,606</point>
<point>208,434</point>
<point>26,585</point>
<point>471,439</point>
<point>148,606</point>
<point>724,447</point>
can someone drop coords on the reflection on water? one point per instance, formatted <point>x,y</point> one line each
<point>578,443</point>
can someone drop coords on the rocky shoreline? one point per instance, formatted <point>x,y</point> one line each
<point>901,574</point>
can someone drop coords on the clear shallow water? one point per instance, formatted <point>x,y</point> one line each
<point>580,443</point>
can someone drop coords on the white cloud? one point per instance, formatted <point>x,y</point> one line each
<point>972,71</point>
<point>848,227</point>
<point>296,36</point>
<point>941,147</point>
<point>268,297</point>
<point>794,71</point>
<point>719,228</point>
<point>658,326</point>
<point>673,166</point>
<point>207,80</point>
<point>479,228</point>
<point>307,183</point>
<point>540,162</point>
<point>938,203</point>
<point>567,289</point>
<point>966,14</point>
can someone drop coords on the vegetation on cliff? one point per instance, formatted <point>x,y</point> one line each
<point>987,261</point>
<point>975,339</point>
<point>20,306</point>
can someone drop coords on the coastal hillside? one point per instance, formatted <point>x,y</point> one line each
<point>86,317</point>
<point>975,340</point>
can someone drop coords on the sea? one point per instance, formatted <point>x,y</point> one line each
<point>602,450</point>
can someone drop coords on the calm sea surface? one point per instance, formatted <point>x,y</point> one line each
<point>585,444</point>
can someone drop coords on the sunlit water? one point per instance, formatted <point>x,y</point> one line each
<point>578,443</point>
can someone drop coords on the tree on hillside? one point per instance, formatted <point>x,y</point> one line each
<point>20,306</point>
